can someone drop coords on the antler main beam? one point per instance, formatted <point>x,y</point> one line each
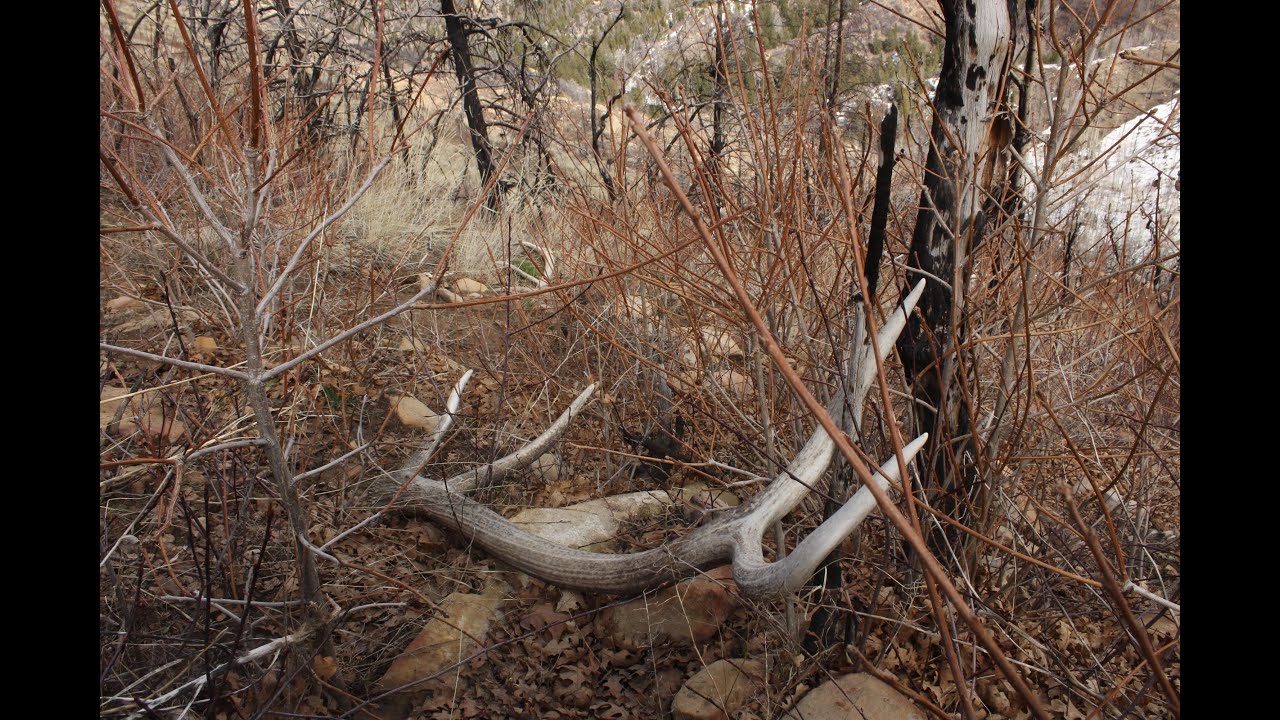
<point>734,536</point>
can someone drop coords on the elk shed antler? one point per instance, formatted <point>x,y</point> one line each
<point>733,536</point>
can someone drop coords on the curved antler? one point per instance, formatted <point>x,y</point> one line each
<point>735,536</point>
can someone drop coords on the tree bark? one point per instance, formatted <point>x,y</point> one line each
<point>975,59</point>
<point>719,79</point>
<point>462,66</point>
<point>880,210</point>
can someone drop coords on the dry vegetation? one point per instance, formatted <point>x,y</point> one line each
<point>1073,379</point>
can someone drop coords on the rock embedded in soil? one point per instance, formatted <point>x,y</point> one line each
<point>124,302</point>
<point>546,468</point>
<point>443,642</point>
<point>689,612</point>
<point>733,381</point>
<point>145,413</point>
<point>468,288</point>
<point>414,413</point>
<point>720,344</point>
<point>718,691</point>
<point>858,695</point>
<point>206,345</point>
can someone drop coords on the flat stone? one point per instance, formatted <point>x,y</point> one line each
<point>720,344</point>
<point>546,468</point>
<point>733,381</point>
<point>592,525</point>
<point>443,642</point>
<point>124,302</point>
<point>857,695</point>
<point>718,691</point>
<point>467,287</point>
<point>689,612</point>
<point>145,413</point>
<point>411,345</point>
<point>642,310</point>
<point>414,413</point>
<point>112,397</point>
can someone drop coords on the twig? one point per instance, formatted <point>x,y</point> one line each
<point>332,463</point>
<point>536,281</point>
<point>232,601</point>
<point>229,445</point>
<point>752,478</point>
<point>1131,585</point>
<point>174,361</point>
<point>270,294</point>
<point>257,653</point>
<point>1122,606</point>
<point>347,334</point>
<point>201,201</point>
<point>317,551</point>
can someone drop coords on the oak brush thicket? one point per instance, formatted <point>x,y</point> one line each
<point>709,252</point>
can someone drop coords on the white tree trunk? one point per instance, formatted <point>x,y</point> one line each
<point>970,89</point>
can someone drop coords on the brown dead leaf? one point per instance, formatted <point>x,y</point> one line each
<point>609,711</point>
<point>620,657</point>
<point>558,647</point>
<point>325,667</point>
<point>569,601</point>
<point>613,685</point>
<point>470,708</point>
<point>1165,628</point>
<point>572,687</point>
<point>1062,635</point>
<point>545,617</point>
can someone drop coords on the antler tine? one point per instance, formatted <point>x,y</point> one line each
<point>757,578</point>
<point>498,470</point>
<point>798,479</point>
<point>794,483</point>
<point>415,461</point>
<point>886,339</point>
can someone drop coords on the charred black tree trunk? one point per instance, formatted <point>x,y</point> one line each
<point>975,59</point>
<point>598,122</point>
<point>880,210</point>
<point>460,49</point>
